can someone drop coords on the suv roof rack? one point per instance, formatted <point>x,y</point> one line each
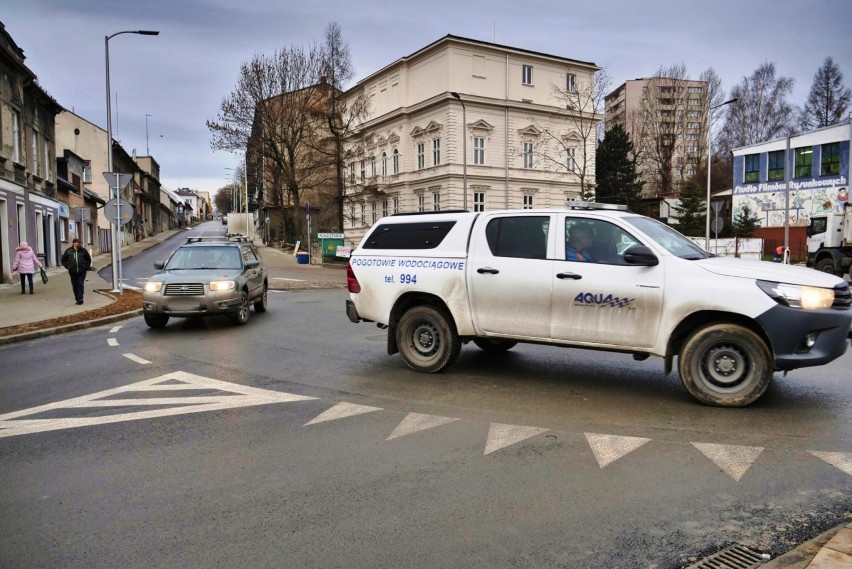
<point>576,204</point>
<point>230,237</point>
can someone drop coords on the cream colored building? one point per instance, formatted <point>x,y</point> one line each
<point>408,153</point>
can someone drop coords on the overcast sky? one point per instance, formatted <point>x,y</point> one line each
<point>180,77</point>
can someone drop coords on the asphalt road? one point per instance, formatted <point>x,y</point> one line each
<point>305,445</point>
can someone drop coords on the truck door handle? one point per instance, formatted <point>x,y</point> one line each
<point>574,276</point>
<point>488,270</point>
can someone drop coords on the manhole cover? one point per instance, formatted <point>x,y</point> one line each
<point>733,557</point>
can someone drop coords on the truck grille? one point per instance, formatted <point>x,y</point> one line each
<point>842,297</point>
<point>188,289</point>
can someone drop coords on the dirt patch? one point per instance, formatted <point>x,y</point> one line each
<point>127,302</point>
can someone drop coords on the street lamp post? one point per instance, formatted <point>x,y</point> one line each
<point>709,153</point>
<point>115,240</point>
<point>464,147</point>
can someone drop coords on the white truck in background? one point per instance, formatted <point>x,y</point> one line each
<point>830,242</point>
<point>241,224</point>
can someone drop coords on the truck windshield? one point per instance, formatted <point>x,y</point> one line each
<point>668,238</point>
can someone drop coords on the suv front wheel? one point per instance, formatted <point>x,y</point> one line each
<point>725,365</point>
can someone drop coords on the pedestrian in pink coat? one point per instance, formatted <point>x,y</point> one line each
<point>25,263</point>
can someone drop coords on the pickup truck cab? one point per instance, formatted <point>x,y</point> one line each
<point>635,285</point>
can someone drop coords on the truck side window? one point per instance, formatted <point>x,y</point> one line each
<point>606,245</point>
<point>523,237</point>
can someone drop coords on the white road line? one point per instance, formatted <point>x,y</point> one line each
<point>415,422</point>
<point>284,279</point>
<point>235,396</point>
<point>112,342</point>
<point>609,448</point>
<point>114,329</point>
<point>340,411</point>
<point>501,435</point>
<point>734,460</point>
<point>136,359</point>
<point>841,460</point>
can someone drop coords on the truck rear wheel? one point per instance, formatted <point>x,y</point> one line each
<point>490,345</point>
<point>427,339</point>
<point>725,365</point>
<point>826,265</point>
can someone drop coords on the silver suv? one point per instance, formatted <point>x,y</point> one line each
<point>207,277</point>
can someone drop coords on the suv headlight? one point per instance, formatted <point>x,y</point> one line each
<point>797,296</point>
<point>221,285</point>
<point>153,286</point>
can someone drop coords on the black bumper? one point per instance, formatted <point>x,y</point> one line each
<point>352,312</point>
<point>787,328</point>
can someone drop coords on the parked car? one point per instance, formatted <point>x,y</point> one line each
<point>207,276</point>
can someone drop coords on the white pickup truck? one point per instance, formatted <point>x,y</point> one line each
<point>593,277</point>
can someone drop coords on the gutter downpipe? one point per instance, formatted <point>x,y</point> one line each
<point>506,134</point>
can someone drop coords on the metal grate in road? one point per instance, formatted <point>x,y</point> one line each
<point>733,557</point>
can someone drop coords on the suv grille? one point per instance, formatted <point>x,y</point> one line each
<point>189,289</point>
<point>842,297</point>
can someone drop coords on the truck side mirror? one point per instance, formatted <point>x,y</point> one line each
<point>640,255</point>
<point>809,231</point>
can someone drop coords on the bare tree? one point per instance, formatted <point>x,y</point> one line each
<point>272,114</point>
<point>223,200</point>
<point>828,99</point>
<point>762,111</point>
<point>570,140</point>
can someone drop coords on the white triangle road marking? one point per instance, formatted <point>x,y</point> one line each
<point>609,448</point>
<point>734,460</point>
<point>841,460</point>
<point>415,422</point>
<point>501,435</point>
<point>340,411</point>
<point>235,396</point>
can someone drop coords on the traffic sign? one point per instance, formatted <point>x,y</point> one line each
<point>112,177</point>
<point>118,215</point>
<point>719,224</point>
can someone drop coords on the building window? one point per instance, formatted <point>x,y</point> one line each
<point>571,83</point>
<point>395,161</point>
<point>35,153</point>
<point>436,151</point>
<point>48,172</point>
<point>16,136</point>
<point>373,166</point>
<point>804,161</point>
<point>830,162</point>
<point>528,155</point>
<point>421,203</point>
<point>363,171</point>
<point>526,75</point>
<point>63,230</point>
<point>478,201</point>
<point>571,160</point>
<point>692,125</point>
<point>528,201</point>
<point>87,172</point>
<point>436,201</point>
<point>384,208</point>
<point>384,164</point>
<point>396,204</point>
<point>479,150</point>
<point>352,173</point>
<point>373,212</point>
<point>351,216</point>
<point>697,90</point>
<point>363,214</point>
<point>421,159</point>
<point>776,165</point>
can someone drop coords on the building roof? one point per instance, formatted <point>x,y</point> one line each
<point>842,123</point>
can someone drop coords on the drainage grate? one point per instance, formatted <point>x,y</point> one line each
<point>733,557</point>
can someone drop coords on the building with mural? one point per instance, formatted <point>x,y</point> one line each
<point>818,176</point>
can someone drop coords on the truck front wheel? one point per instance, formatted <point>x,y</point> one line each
<point>427,339</point>
<point>826,265</point>
<point>725,365</point>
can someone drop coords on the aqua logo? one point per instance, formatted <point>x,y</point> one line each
<point>600,299</point>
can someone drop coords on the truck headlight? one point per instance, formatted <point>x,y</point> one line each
<point>153,286</point>
<point>797,296</point>
<point>221,285</point>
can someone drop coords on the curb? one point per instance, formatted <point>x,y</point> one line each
<point>36,334</point>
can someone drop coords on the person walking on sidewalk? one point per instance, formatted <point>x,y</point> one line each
<point>25,263</point>
<point>77,260</point>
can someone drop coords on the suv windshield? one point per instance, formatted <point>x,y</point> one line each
<point>212,257</point>
<point>668,238</point>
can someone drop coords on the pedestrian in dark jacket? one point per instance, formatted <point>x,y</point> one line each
<point>25,263</point>
<point>78,261</point>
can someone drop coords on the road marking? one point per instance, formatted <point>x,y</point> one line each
<point>112,342</point>
<point>340,411</point>
<point>235,396</point>
<point>841,460</point>
<point>136,359</point>
<point>501,435</point>
<point>733,459</point>
<point>609,448</point>
<point>114,329</point>
<point>415,422</point>
<point>284,279</point>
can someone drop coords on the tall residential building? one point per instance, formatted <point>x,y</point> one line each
<point>521,116</point>
<point>666,119</point>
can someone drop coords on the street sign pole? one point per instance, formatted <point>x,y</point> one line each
<point>114,180</point>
